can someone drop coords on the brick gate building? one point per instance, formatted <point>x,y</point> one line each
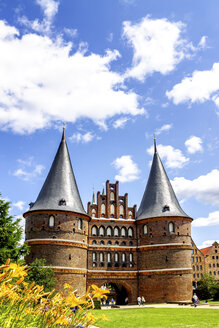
<point>145,252</point>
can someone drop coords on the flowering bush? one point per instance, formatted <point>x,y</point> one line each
<point>24,305</point>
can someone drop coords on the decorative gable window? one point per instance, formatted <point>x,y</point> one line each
<point>93,213</point>
<point>121,210</point>
<point>112,196</point>
<point>51,221</point>
<point>112,209</point>
<point>103,208</point>
<point>130,214</point>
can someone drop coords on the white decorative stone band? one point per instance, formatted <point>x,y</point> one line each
<point>65,268</point>
<point>112,219</point>
<point>155,270</point>
<point>56,239</point>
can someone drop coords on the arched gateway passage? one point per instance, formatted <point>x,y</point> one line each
<point>118,292</point>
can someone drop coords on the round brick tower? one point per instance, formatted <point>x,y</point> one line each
<point>57,224</point>
<point>164,234</point>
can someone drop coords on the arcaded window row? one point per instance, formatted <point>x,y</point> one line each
<point>102,242</point>
<point>112,232</point>
<point>112,211</point>
<point>111,259</point>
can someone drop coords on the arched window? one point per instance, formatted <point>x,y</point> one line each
<point>94,231</point>
<point>51,221</point>
<point>112,209</point>
<point>103,208</point>
<point>108,257</point>
<point>130,257</point>
<point>130,214</point>
<point>123,232</point>
<point>102,242</point>
<point>116,232</point>
<point>193,268</point>
<point>121,210</point>
<point>116,242</point>
<point>94,242</point>
<point>130,243</point>
<point>80,224</point>
<point>171,227</point>
<point>109,242</point>
<point>101,257</point>
<point>130,232</point>
<point>112,196</point>
<point>101,231</point>
<point>145,229</point>
<point>93,213</point>
<point>94,256</point>
<point>109,231</point>
<point>123,257</point>
<point>116,257</point>
<point>123,243</point>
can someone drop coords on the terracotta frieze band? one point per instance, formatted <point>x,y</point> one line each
<point>56,242</point>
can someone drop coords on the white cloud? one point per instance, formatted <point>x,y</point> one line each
<point>211,220</point>
<point>194,144</point>
<point>158,46</point>
<point>84,138</point>
<point>70,32</point>
<point>128,169</point>
<point>173,157</point>
<point>37,68</point>
<point>207,243</point>
<point>20,205</point>
<point>120,123</point>
<point>205,188</point>
<point>200,87</point>
<point>25,175</point>
<point>50,9</point>
<point>165,127</point>
<point>203,42</point>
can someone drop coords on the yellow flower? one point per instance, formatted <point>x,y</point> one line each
<point>98,292</point>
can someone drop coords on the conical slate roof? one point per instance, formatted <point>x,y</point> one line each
<point>60,191</point>
<point>159,198</point>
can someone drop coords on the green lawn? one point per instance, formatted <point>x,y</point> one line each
<point>159,318</point>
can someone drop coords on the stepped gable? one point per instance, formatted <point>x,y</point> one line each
<point>60,191</point>
<point>159,199</point>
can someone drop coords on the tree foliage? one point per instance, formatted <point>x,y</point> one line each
<point>208,287</point>
<point>41,275</point>
<point>10,235</point>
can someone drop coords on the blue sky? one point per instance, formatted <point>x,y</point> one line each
<point>116,72</point>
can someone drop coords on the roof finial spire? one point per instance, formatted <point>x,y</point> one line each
<point>155,145</point>
<point>103,191</point>
<point>93,198</point>
<point>63,132</point>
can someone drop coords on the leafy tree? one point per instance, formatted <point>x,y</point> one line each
<point>207,286</point>
<point>41,275</point>
<point>10,235</point>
